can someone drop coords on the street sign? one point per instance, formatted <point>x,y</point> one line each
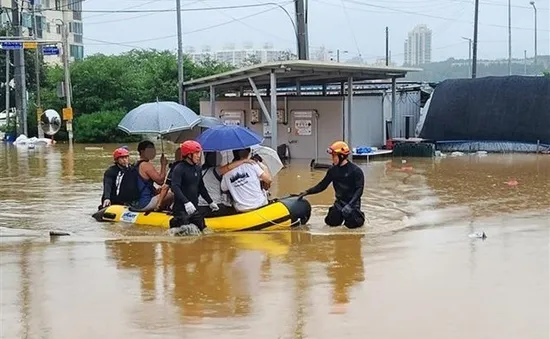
<point>11,45</point>
<point>67,113</point>
<point>30,45</point>
<point>50,50</point>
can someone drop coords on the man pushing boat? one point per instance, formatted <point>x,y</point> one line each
<point>187,185</point>
<point>348,181</point>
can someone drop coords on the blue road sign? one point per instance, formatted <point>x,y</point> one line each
<point>11,45</point>
<point>50,50</point>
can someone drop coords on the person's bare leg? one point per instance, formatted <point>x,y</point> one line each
<point>164,190</point>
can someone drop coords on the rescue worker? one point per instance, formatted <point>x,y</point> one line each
<point>187,185</point>
<point>348,181</point>
<point>112,178</point>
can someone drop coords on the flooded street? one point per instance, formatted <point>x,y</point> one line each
<point>411,272</point>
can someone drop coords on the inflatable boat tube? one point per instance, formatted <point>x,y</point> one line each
<point>280,214</point>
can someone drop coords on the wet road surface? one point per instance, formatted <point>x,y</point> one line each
<point>411,272</point>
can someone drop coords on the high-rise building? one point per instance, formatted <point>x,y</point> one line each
<point>418,46</point>
<point>240,57</point>
<point>50,16</point>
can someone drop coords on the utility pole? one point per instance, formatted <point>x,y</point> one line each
<point>67,82</point>
<point>20,81</point>
<point>509,37</point>
<point>301,21</point>
<point>7,87</point>
<point>37,73</point>
<point>469,55</point>
<point>525,62</point>
<point>180,53</point>
<point>474,53</point>
<point>387,46</point>
<point>535,8</point>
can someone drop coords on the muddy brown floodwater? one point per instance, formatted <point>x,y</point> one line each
<point>411,272</point>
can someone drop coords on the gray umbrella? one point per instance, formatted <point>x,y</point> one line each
<point>181,136</point>
<point>159,117</point>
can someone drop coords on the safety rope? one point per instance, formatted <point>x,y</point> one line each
<point>272,222</point>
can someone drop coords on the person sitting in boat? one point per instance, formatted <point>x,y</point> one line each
<point>187,185</point>
<point>212,176</point>
<point>165,188</point>
<point>348,181</point>
<point>149,197</point>
<point>112,179</point>
<point>244,183</point>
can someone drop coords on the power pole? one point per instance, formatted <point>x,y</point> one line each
<point>301,22</point>
<point>474,52</point>
<point>180,53</point>
<point>37,73</point>
<point>387,46</point>
<point>535,9</point>
<point>525,62</point>
<point>509,37</point>
<point>67,82</point>
<point>7,87</point>
<point>20,81</point>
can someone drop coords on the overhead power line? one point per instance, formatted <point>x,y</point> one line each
<point>169,10</point>
<point>129,43</point>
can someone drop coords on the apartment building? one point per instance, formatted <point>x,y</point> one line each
<point>418,46</point>
<point>50,16</point>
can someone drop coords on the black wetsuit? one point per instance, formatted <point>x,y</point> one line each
<point>348,182</point>
<point>187,184</point>
<point>113,174</point>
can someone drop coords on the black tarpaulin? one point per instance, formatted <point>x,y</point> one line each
<point>512,108</point>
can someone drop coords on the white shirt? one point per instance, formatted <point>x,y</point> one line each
<point>212,185</point>
<point>244,185</point>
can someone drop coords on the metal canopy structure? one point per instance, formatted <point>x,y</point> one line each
<point>296,73</point>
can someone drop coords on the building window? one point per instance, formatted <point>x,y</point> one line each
<point>77,52</point>
<point>57,5</point>
<point>78,38</point>
<point>48,27</point>
<point>58,29</point>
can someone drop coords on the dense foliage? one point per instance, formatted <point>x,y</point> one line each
<point>108,86</point>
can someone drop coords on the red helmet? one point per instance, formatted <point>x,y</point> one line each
<point>190,147</point>
<point>120,152</point>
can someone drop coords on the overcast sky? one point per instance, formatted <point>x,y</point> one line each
<point>356,26</point>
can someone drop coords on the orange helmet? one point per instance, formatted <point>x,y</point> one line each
<point>190,147</point>
<point>120,152</point>
<point>339,147</point>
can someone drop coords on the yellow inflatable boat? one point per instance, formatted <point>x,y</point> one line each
<point>280,214</point>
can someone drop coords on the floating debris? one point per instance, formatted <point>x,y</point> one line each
<point>479,235</point>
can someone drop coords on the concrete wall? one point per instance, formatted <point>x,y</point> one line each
<point>327,125</point>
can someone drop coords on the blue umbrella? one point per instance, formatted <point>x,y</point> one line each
<point>228,137</point>
<point>159,117</point>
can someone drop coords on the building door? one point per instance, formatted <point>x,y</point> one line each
<point>303,134</point>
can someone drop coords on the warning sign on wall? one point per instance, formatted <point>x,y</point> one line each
<point>302,127</point>
<point>232,122</point>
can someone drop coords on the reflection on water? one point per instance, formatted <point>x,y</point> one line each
<point>411,272</point>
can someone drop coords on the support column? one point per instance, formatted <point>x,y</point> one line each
<point>393,111</point>
<point>260,101</point>
<point>349,115</point>
<point>273,87</point>
<point>212,101</point>
<point>298,88</point>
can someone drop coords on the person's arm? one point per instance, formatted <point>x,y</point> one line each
<point>263,173</point>
<point>152,173</point>
<point>176,185</point>
<point>223,185</point>
<point>359,184</point>
<point>322,185</point>
<point>204,192</point>
<point>232,165</point>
